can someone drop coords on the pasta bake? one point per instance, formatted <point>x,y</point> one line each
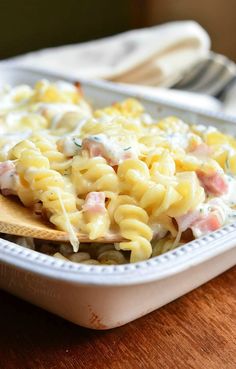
<point>159,183</point>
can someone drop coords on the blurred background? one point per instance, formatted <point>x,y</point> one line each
<point>32,24</point>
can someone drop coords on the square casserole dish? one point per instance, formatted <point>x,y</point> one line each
<point>103,297</point>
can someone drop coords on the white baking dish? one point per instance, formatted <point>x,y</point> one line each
<point>105,297</point>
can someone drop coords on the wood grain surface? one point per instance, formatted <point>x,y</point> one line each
<point>18,220</point>
<point>196,331</point>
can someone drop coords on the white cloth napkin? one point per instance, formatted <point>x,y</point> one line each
<point>155,56</point>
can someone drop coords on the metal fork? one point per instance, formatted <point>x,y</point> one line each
<point>212,76</point>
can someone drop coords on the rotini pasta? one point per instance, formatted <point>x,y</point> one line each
<point>157,182</point>
<point>133,225</point>
<point>58,161</point>
<point>93,174</point>
<point>49,188</point>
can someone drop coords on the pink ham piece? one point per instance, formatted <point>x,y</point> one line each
<point>185,221</point>
<point>95,202</point>
<point>207,224</point>
<point>127,155</point>
<point>213,182</point>
<point>8,192</point>
<point>111,152</point>
<point>8,178</point>
<point>6,166</point>
<point>201,150</point>
<point>96,148</point>
<point>199,223</point>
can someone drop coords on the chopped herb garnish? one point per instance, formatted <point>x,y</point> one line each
<point>227,163</point>
<point>76,143</point>
<point>127,148</point>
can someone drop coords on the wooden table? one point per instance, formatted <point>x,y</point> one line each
<point>196,331</point>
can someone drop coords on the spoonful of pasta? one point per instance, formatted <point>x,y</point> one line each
<point>15,219</point>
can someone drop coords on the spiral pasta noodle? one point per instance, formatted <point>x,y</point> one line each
<point>48,185</point>
<point>48,148</point>
<point>164,245</point>
<point>132,221</point>
<point>154,197</point>
<point>93,174</point>
<point>156,183</point>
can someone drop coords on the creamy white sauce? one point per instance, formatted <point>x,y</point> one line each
<point>65,87</point>
<point>11,139</point>
<point>9,180</point>
<point>8,97</point>
<point>158,231</point>
<point>147,119</point>
<point>228,148</point>
<point>230,197</point>
<point>113,149</point>
<point>221,207</point>
<point>197,232</point>
<point>205,129</point>
<point>177,140</point>
<point>55,112</point>
<point>70,145</point>
<point>53,109</point>
<point>81,122</point>
<point>69,186</point>
<point>14,117</point>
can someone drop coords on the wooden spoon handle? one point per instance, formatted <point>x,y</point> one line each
<point>18,220</point>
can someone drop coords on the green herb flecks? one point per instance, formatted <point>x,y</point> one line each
<point>95,138</point>
<point>227,164</point>
<point>76,143</point>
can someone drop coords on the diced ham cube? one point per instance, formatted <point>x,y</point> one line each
<point>8,178</point>
<point>6,166</point>
<point>207,224</point>
<point>127,155</point>
<point>94,148</point>
<point>95,202</point>
<point>100,145</point>
<point>214,182</point>
<point>8,192</point>
<point>185,221</point>
<point>201,150</point>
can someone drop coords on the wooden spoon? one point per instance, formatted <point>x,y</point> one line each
<point>18,220</point>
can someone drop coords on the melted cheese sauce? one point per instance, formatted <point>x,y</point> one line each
<point>59,125</point>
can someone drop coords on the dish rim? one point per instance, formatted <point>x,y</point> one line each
<point>156,268</point>
<point>122,88</point>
